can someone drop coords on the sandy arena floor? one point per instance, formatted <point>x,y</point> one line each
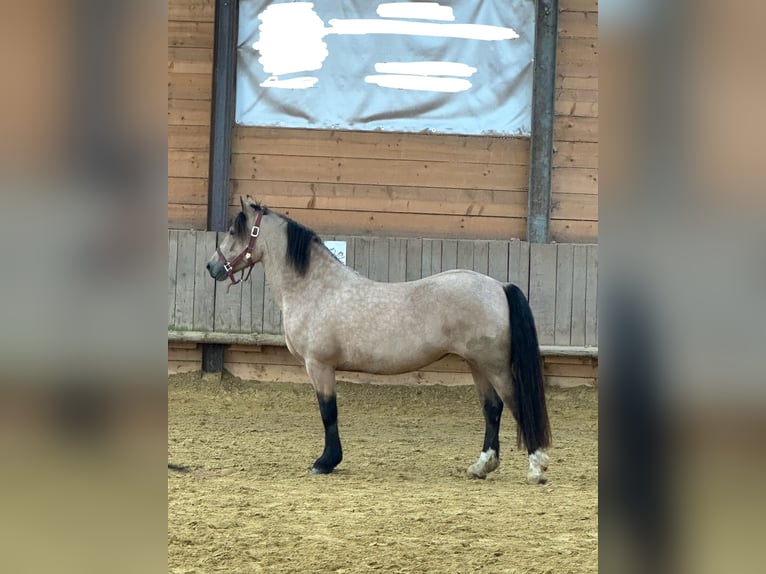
<point>400,500</point>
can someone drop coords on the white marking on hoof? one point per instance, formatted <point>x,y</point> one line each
<point>487,462</point>
<point>538,463</point>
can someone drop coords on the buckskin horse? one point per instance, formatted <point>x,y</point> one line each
<point>335,319</point>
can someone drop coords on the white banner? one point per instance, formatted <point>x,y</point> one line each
<point>460,67</point>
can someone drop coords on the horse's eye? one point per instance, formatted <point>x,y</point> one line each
<point>231,232</point>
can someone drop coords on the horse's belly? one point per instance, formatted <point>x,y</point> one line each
<point>387,359</point>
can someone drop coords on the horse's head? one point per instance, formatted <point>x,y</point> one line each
<point>240,249</point>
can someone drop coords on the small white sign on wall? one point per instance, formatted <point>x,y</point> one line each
<point>337,248</point>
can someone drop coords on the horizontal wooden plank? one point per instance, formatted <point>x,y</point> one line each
<point>574,180</point>
<point>189,113</point>
<point>379,172</point>
<point>191,10</point>
<point>181,216</point>
<point>187,164</point>
<point>569,370</point>
<point>243,341</point>
<point>577,24</point>
<point>181,345</point>
<point>281,195</point>
<point>190,34</point>
<point>575,129</point>
<point>577,206</point>
<point>569,382</point>
<point>514,204</point>
<point>585,95</point>
<point>187,190</point>
<point>189,137</point>
<point>577,109</point>
<point>183,60</point>
<point>570,231</point>
<point>189,86</point>
<point>579,5</point>
<point>575,154</point>
<point>381,145</point>
<point>577,68</point>
<point>576,51</point>
<point>564,82</point>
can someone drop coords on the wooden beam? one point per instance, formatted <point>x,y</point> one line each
<point>221,127</point>
<point>543,110</point>
<point>267,340</point>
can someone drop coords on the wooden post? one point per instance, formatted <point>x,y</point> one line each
<point>221,125</point>
<point>543,100</point>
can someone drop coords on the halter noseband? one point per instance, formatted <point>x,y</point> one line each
<point>246,254</point>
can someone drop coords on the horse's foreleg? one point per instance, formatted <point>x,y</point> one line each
<point>489,459</point>
<point>323,379</point>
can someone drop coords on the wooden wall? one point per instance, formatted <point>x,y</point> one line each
<point>575,169</point>
<point>383,184</point>
<point>190,68</point>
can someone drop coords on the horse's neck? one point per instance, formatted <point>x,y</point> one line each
<point>287,285</point>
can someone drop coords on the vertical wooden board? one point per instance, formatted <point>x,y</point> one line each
<point>426,256</point>
<point>498,260</point>
<point>362,248</point>
<point>465,254</point>
<point>185,277</point>
<point>431,263</point>
<point>228,303</point>
<point>379,259</point>
<point>246,306</point>
<point>272,316</point>
<point>436,256</point>
<point>257,294</point>
<point>349,249</point>
<point>481,257</point>
<point>205,285</point>
<point>542,289</point>
<point>518,265</point>
<point>579,261</point>
<point>397,260</point>
<point>172,270</point>
<point>591,296</point>
<point>564,276</point>
<point>414,259</point>
<point>449,254</point>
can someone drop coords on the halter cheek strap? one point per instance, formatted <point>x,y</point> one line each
<point>246,254</point>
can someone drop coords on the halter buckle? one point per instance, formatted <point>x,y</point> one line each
<point>255,231</point>
<point>227,266</point>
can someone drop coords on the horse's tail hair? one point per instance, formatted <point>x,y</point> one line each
<point>533,426</point>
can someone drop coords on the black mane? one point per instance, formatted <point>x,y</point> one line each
<point>240,224</point>
<point>299,240</point>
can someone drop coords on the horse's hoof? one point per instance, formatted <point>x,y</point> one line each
<point>317,470</point>
<point>533,478</point>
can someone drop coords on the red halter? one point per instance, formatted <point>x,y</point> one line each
<point>247,255</point>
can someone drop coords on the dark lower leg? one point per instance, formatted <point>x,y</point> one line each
<point>333,453</point>
<point>493,410</point>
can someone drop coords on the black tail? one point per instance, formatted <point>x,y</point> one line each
<point>533,427</point>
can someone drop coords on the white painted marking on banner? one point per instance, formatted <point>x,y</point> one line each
<point>403,27</point>
<point>426,68</point>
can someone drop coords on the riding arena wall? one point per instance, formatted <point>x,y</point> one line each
<point>408,205</point>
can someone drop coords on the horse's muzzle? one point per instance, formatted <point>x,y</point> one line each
<point>216,270</point>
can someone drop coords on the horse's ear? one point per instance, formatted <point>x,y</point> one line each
<point>242,203</point>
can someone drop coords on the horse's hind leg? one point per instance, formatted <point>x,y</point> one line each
<point>323,379</point>
<point>489,459</point>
